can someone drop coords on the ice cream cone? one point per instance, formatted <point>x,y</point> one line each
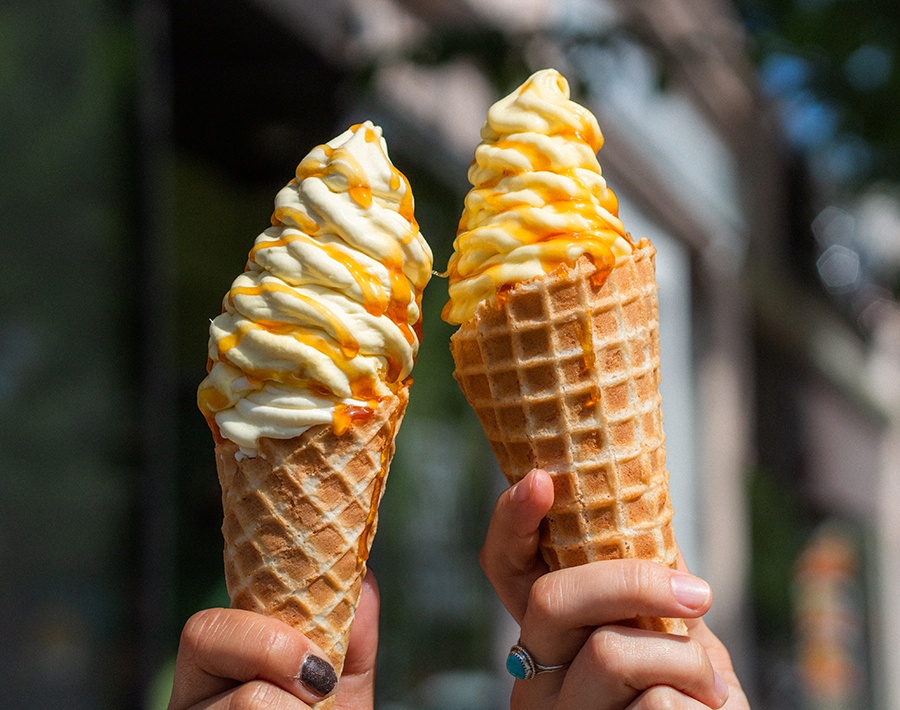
<point>309,369</point>
<point>299,521</point>
<point>563,373</point>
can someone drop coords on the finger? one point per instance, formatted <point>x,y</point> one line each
<point>510,557</point>
<point>715,649</point>
<point>718,654</point>
<point>358,677</point>
<point>255,694</point>
<point>618,664</point>
<point>720,659</point>
<point>564,606</point>
<point>682,566</point>
<point>665,697</point>
<point>223,648</point>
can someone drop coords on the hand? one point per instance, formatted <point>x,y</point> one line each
<point>580,616</point>
<point>231,658</point>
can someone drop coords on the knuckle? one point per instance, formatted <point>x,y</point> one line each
<point>546,598</point>
<point>640,580</point>
<point>661,697</point>
<point>255,695</point>
<point>277,644</point>
<point>196,630</point>
<point>607,654</point>
<point>699,657</point>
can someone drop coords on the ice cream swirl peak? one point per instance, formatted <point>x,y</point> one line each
<point>326,316</point>
<point>538,197</point>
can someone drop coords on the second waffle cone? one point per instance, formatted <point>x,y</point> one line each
<point>563,373</point>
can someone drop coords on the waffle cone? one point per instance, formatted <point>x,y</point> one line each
<point>563,373</point>
<point>299,519</point>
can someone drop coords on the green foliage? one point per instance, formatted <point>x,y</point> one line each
<point>850,51</point>
<point>215,222</point>
<point>780,524</point>
<point>500,58</point>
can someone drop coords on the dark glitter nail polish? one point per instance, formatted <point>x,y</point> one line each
<point>318,675</point>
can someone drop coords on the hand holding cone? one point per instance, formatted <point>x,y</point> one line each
<point>309,371</point>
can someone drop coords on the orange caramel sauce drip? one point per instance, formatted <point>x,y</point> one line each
<point>398,305</point>
<point>339,355</point>
<point>207,400</point>
<point>397,308</point>
<point>375,299</point>
<point>348,344</point>
<point>341,161</point>
<point>210,400</point>
<point>209,415</point>
<point>346,415</point>
<point>359,189</point>
<point>587,340</point>
<point>365,539</point>
<point>406,208</point>
<point>503,293</point>
<point>602,272</point>
<point>288,216</point>
<point>417,326</point>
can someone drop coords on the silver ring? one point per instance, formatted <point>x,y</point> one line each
<point>521,664</point>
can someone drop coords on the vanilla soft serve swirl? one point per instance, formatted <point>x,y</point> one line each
<point>325,318</point>
<point>538,199</point>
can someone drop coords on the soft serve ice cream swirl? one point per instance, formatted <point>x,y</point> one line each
<point>538,199</point>
<point>326,317</point>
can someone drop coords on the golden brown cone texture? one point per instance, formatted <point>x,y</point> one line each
<point>299,522</point>
<point>564,376</point>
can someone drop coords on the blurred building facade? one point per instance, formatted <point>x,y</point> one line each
<point>772,392</point>
<point>770,388</point>
<point>782,405</point>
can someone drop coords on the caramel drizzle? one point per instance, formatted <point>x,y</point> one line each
<point>365,539</point>
<point>585,206</point>
<point>395,303</point>
<point>360,384</point>
<point>342,347</point>
<point>349,345</point>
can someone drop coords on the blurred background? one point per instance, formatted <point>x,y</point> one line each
<point>756,143</point>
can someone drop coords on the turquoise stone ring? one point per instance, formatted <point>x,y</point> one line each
<point>521,665</point>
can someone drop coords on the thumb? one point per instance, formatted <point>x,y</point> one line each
<point>357,685</point>
<point>510,556</point>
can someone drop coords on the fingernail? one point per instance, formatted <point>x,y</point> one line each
<point>721,686</point>
<point>690,591</point>
<point>520,491</point>
<point>318,675</point>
